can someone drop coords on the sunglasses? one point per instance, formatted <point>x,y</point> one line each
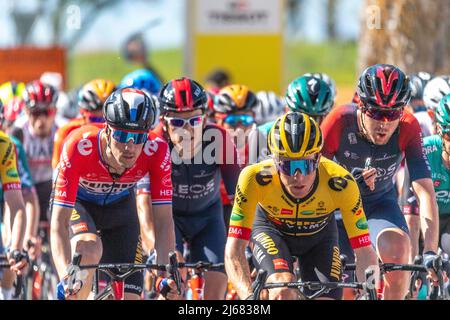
<point>384,115</point>
<point>126,136</point>
<point>244,119</point>
<point>45,112</point>
<point>290,167</point>
<point>96,119</point>
<point>180,122</point>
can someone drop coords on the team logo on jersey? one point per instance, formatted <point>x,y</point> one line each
<point>237,215</point>
<point>240,198</point>
<point>264,177</point>
<point>307,212</point>
<point>12,173</point>
<point>437,183</point>
<point>285,211</point>
<point>61,182</point>
<point>362,224</point>
<point>167,180</point>
<point>337,183</point>
<point>280,264</point>
<point>84,147</point>
<point>150,147</point>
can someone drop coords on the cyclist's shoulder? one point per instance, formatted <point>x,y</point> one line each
<point>5,142</point>
<point>331,173</point>
<point>70,126</point>
<point>432,144</point>
<point>261,173</point>
<point>409,122</point>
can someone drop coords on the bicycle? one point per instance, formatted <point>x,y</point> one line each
<point>119,272</point>
<point>323,286</point>
<point>440,266</point>
<point>196,283</point>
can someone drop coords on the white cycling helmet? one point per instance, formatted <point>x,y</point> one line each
<point>435,90</point>
<point>270,107</point>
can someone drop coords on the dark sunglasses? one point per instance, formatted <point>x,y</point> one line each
<point>290,167</point>
<point>244,119</point>
<point>126,136</point>
<point>180,122</point>
<point>384,115</point>
<point>43,112</point>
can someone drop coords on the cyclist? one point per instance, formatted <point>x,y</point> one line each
<point>91,98</point>
<point>269,108</point>
<point>202,154</point>
<point>307,94</point>
<point>435,90</point>
<point>13,200</point>
<point>94,205</point>
<point>142,79</point>
<point>437,149</point>
<point>370,140</point>
<point>285,206</point>
<point>417,107</point>
<point>234,111</point>
<point>36,136</point>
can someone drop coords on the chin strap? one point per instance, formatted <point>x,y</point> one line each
<point>113,175</point>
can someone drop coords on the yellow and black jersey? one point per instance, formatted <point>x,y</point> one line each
<point>260,192</point>
<point>8,168</point>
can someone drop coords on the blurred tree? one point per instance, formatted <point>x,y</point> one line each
<point>412,34</point>
<point>76,15</point>
<point>331,19</point>
<point>294,12</point>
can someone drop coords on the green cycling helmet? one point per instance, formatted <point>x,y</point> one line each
<point>310,95</point>
<point>443,114</point>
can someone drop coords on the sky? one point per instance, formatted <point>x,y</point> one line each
<point>112,26</point>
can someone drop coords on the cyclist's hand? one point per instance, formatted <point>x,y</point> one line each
<point>18,261</point>
<point>369,176</point>
<point>428,258</point>
<point>172,293</point>
<point>66,292</point>
<point>33,247</point>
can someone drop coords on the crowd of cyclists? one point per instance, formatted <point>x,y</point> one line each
<point>129,172</point>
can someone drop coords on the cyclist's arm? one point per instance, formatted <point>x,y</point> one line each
<point>12,193</point>
<point>57,147</point>
<point>245,202</point>
<point>164,232</point>
<point>32,211</point>
<point>59,238</point>
<point>14,201</point>
<point>429,213</point>
<point>155,203</point>
<point>64,195</point>
<point>355,223</point>
<point>236,266</point>
<point>411,142</point>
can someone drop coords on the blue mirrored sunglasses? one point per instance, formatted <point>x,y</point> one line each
<point>305,166</point>
<point>234,119</point>
<point>126,136</point>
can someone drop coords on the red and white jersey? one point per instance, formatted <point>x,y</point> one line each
<point>82,174</point>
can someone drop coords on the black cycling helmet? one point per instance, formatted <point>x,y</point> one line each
<point>130,109</point>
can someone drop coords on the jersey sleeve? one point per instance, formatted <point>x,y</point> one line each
<point>410,142</point>
<point>245,202</point>
<point>65,184</point>
<point>158,181</point>
<point>24,169</point>
<point>331,131</point>
<point>348,199</point>
<point>8,168</point>
<point>231,165</point>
